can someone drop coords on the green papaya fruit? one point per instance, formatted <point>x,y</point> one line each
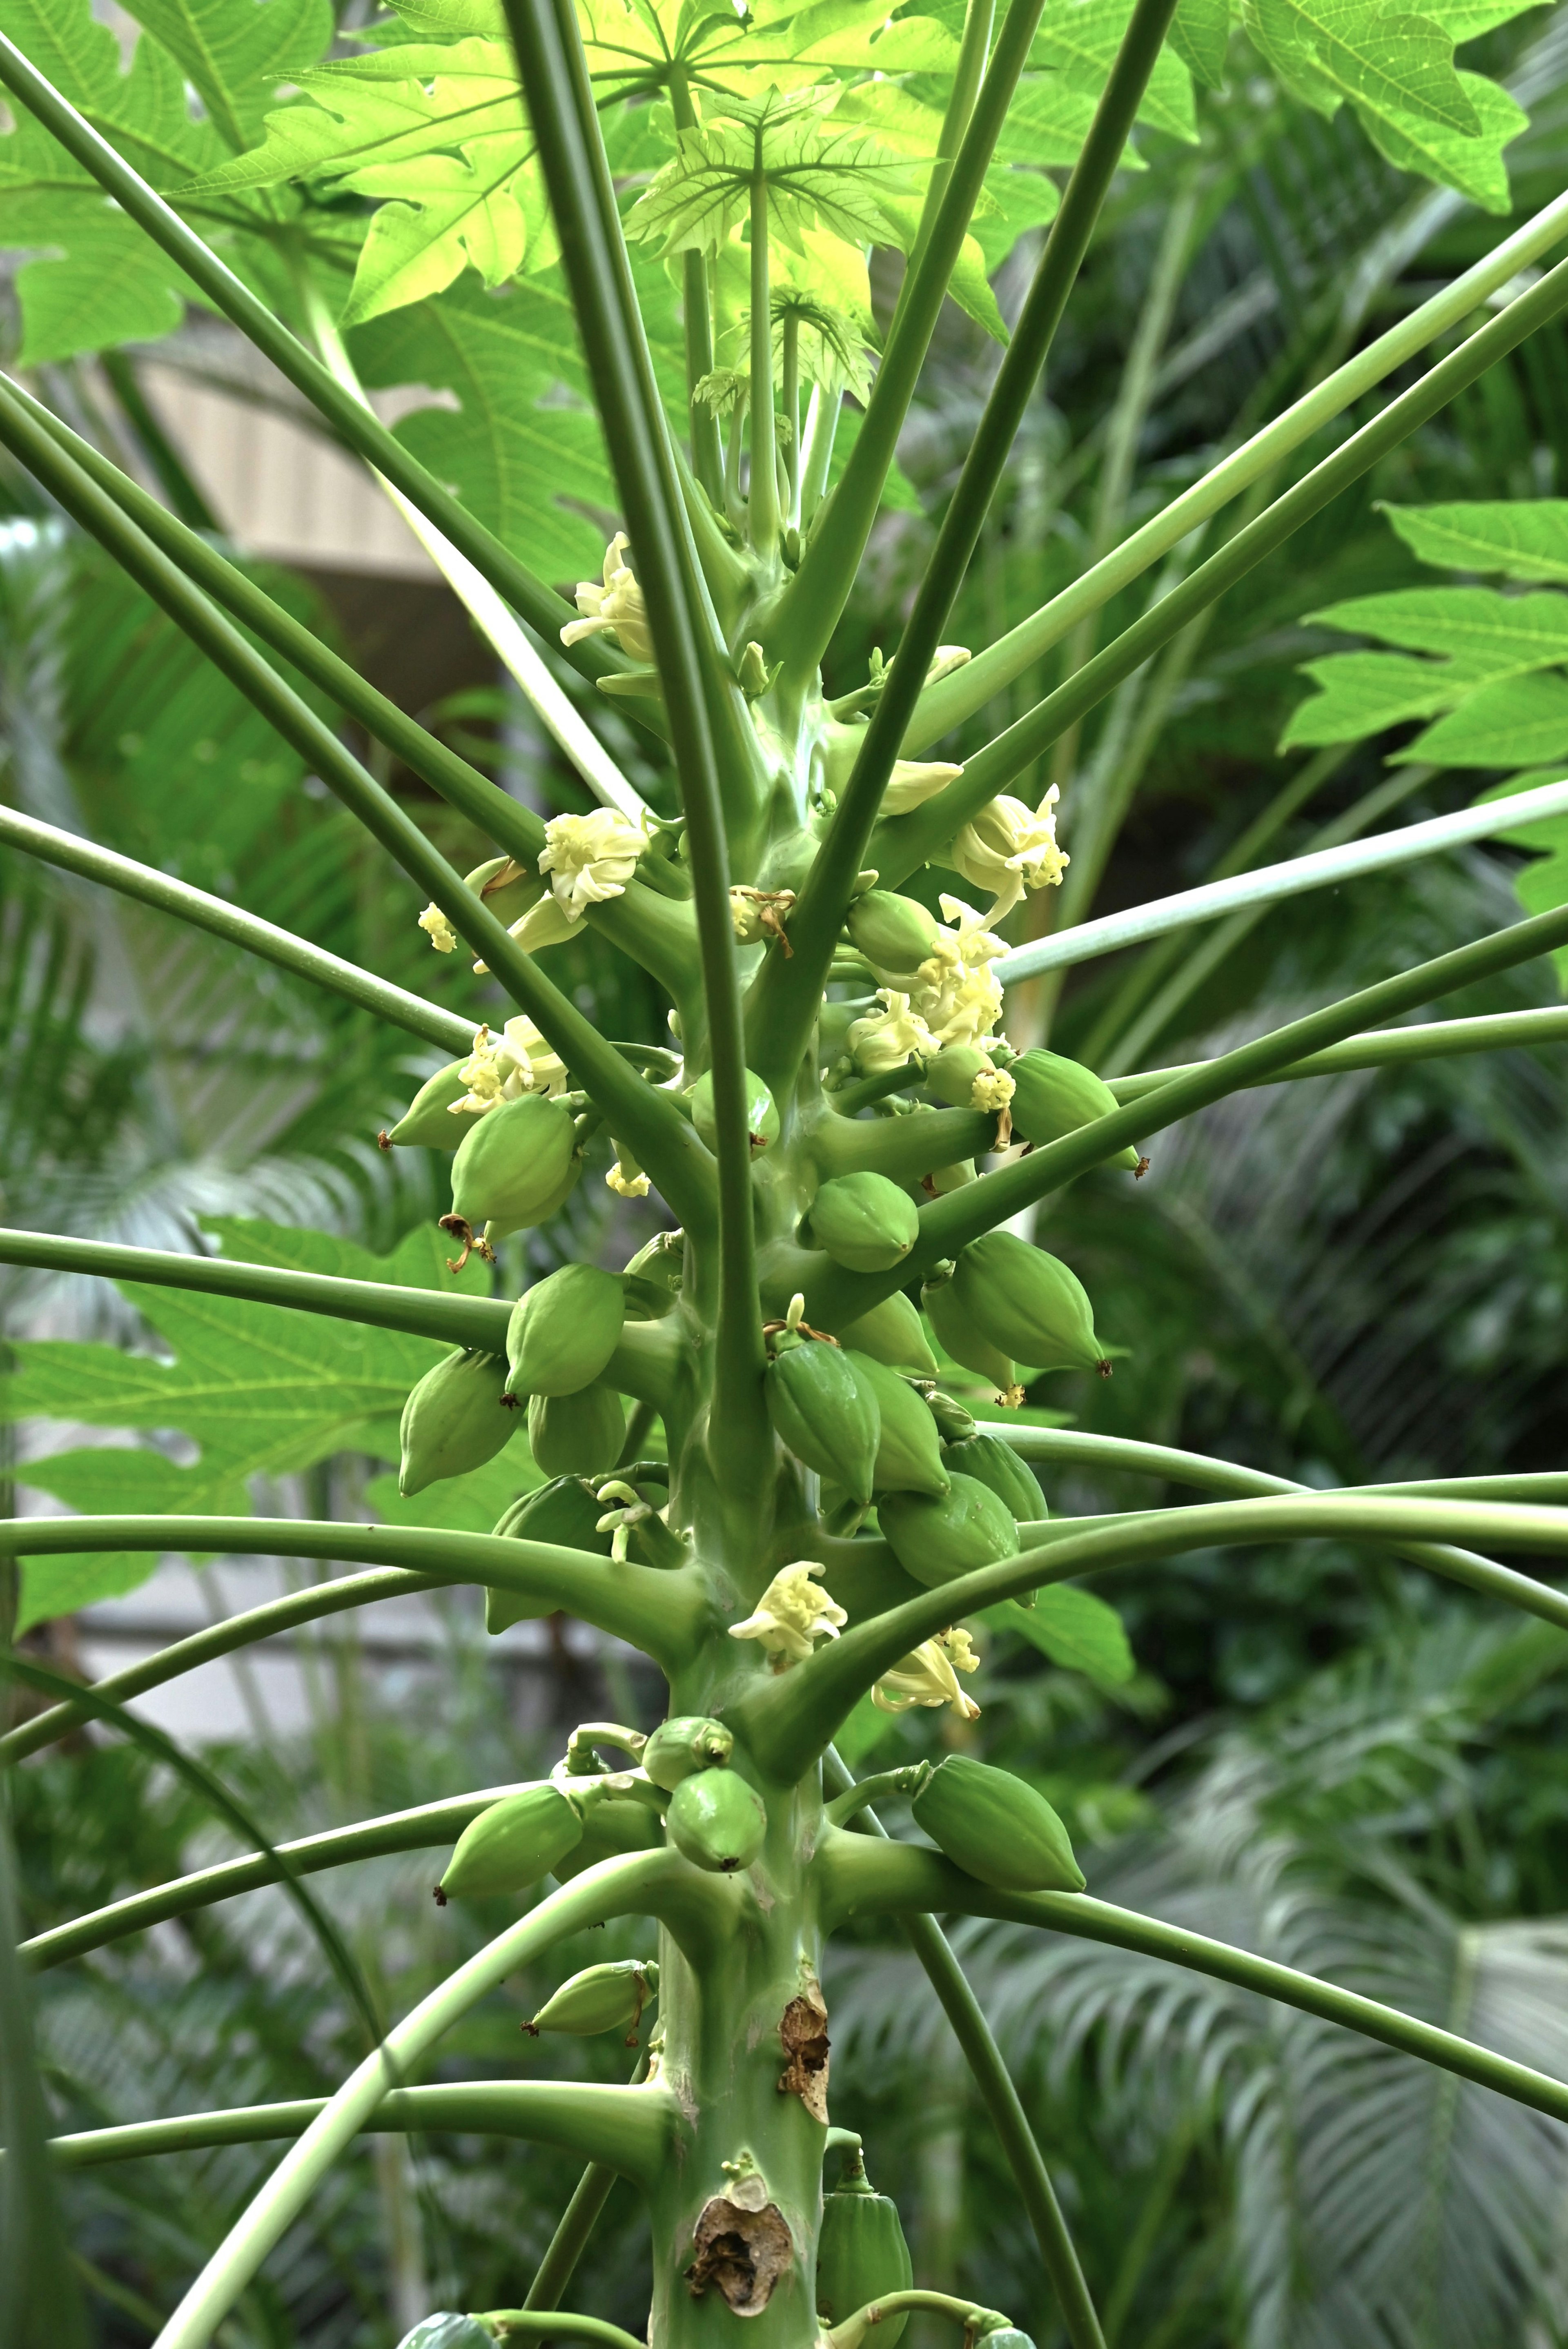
<point>566,1513</point>
<point>954,1423</point>
<point>576,1434</point>
<point>428,1122</point>
<point>826,1413</point>
<point>908,1450</point>
<point>951,1075</point>
<point>991,1462</point>
<point>996,1829</point>
<point>1029,1304</point>
<point>613,1825</point>
<point>958,1336</point>
<point>455,1421</point>
<point>662,1259</point>
<point>688,1742</point>
<point>610,1997</point>
<point>893,1332</point>
<point>943,1179</point>
<point>511,1845</point>
<point>1052,1096</point>
<point>762,1111</point>
<point>448,2329</point>
<point>861,2254</point>
<point>515,1165</point>
<point>716,1820</point>
<point>936,1538</point>
<point>895,933</point>
<point>865,1223</point>
<point>564,1330</point>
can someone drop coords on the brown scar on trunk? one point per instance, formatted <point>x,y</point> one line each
<point>743,2253</point>
<point>803,2033</point>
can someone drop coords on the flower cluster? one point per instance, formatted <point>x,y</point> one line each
<point>930,1677</point>
<point>503,1068</point>
<point>615,609</point>
<point>954,998</point>
<point>790,1614</point>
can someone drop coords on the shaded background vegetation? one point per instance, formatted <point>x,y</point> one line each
<point>1321,1756</point>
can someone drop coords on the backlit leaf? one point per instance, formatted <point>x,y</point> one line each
<point>1523,539</point>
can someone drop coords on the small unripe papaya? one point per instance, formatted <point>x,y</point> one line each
<point>684,1745</point>
<point>511,1845</point>
<point>861,2254</point>
<point>612,1827</point>
<point>893,1333</point>
<point>610,1997</point>
<point>826,1414</point>
<point>1052,1096</point>
<point>865,1223</point>
<point>661,1259</point>
<point>958,1336</point>
<point>762,1111</point>
<point>429,1121</point>
<point>908,1450</point>
<point>990,1461</point>
<point>951,1075</point>
<point>448,2329</point>
<point>565,1512</point>
<point>895,933</point>
<point>996,1829</point>
<point>1029,1304</point>
<point>953,1533</point>
<point>564,1330</point>
<point>453,1421</point>
<point>515,1165</point>
<point>576,1434</point>
<point>717,1820</point>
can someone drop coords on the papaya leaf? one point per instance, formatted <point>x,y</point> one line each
<point>234,58</point>
<point>1201,34</point>
<point>1383,62</point>
<point>1074,1628</point>
<point>816,177</point>
<point>1080,40</point>
<point>1522,538</point>
<point>1519,722</point>
<point>1363,693</point>
<point>1473,166</point>
<point>635,53</point>
<point>1499,635</point>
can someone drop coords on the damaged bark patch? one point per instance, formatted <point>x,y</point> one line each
<point>743,2253</point>
<point>803,2032</point>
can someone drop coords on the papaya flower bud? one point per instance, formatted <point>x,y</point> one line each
<point>615,609</point>
<point>589,858</point>
<point>887,1038</point>
<point>913,781</point>
<point>790,1614</point>
<point>930,1677</point>
<point>438,929</point>
<point>1010,847</point>
<point>945,659</point>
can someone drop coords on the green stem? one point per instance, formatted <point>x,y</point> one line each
<point>418,1830</point>
<point>1120,1452</point>
<point>612,1888</point>
<point>539,604</point>
<point>967,2312</point>
<point>912,837</point>
<point>1000,2097</point>
<point>568,2244</point>
<point>1432,1039</point>
<point>855,1797</point>
<point>577,2115</point>
<point>790,401</point>
<point>789,992</point>
<point>969,72</point>
<point>811,605</point>
<point>533,2324</point>
<point>165,460</point>
<point>660,1611</point>
<point>959,695</point>
<point>762,503</point>
<point>664,1143</point>
<point>787,1722</point>
<point>894,1878</point>
<point>72,854</point>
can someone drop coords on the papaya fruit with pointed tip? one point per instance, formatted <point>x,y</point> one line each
<point>991,1462</point>
<point>893,1333</point>
<point>996,1829</point>
<point>511,1845</point>
<point>1029,1304</point>
<point>861,2253</point>
<point>762,1112</point>
<point>432,1121</point>
<point>826,1413</point>
<point>958,1336</point>
<point>895,933</point>
<point>576,1434</point>
<point>716,1820</point>
<point>935,1538</point>
<point>453,1421</point>
<point>515,1165</point>
<point>864,1222</point>
<point>610,1997</point>
<point>908,1449</point>
<point>1053,1095</point>
<point>564,1330</point>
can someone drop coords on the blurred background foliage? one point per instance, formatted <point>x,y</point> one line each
<point>1321,1754</point>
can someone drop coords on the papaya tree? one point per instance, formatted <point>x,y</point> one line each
<point>754,1469</point>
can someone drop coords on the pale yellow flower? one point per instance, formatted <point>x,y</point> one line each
<point>930,1677</point>
<point>615,609</point>
<point>503,1068</point>
<point>790,1614</point>
<point>915,780</point>
<point>992,1091</point>
<point>438,929</point>
<point>965,1008</point>
<point>588,858</point>
<point>887,1038</point>
<point>1010,847</point>
<point>625,1186</point>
